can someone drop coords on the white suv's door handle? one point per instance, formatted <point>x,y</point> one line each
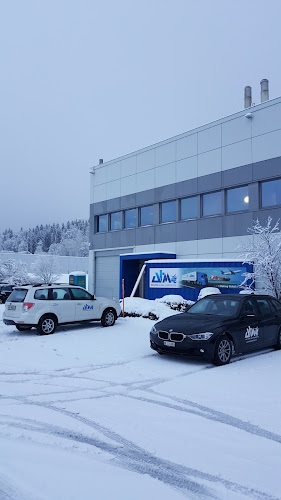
<point>79,303</point>
<point>54,304</point>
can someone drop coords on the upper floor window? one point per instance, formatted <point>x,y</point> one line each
<point>212,203</point>
<point>116,221</point>
<point>130,218</point>
<point>101,223</point>
<point>189,208</point>
<point>271,193</point>
<point>237,199</point>
<point>146,215</point>
<point>168,211</point>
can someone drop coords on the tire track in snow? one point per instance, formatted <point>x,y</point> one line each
<point>128,455</point>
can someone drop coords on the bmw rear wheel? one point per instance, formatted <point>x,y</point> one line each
<point>108,318</point>
<point>277,346</point>
<point>223,351</point>
<point>46,325</point>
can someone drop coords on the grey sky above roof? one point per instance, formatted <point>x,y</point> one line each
<point>89,79</point>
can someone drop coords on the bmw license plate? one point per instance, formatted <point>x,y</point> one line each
<point>169,344</point>
<point>11,307</point>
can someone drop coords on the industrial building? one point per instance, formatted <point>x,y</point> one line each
<point>192,196</point>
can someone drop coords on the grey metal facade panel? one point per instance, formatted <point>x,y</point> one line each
<point>145,235</point>
<point>237,224</point>
<point>210,227</point>
<point>267,169</point>
<point>209,182</point>
<point>145,197</point>
<point>114,205</point>
<point>187,230</point>
<point>186,188</point>
<point>113,239</point>
<point>236,176</point>
<point>128,201</point>
<point>127,237</point>
<point>165,193</point>
<point>164,233</point>
<point>100,207</point>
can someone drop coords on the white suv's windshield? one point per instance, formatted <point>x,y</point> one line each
<point>218,307</point>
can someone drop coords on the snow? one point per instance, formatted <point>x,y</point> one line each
<point>93,412</point>
<point>208,290</point>
<point>136,306</point>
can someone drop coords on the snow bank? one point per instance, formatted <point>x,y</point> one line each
<point>136,307</point>
<point>175,302</point>
<point>209,290</point>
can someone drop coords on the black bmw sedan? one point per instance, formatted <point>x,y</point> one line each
<point>219,326</point>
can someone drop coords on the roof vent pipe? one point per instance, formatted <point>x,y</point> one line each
<point>247,97</point>
<point>264,90</point>
<point>100,161</point>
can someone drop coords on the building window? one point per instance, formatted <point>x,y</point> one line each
<point>116,221</point>
<point>271,193</point>
<point>237,199</point>
<point>130,218</point>
<point>146,215</point>
<point>169,211</point>
<point>189,208</point>
<point>101,223</point>
<point>212,203</point>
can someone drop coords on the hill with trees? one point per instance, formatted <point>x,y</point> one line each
<point>71,238</point>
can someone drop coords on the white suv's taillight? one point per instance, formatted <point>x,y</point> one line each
<point>27,306</point>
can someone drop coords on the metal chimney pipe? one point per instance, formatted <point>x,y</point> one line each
<point>100,161</point>
<point>247,97</point>
<point>264,90</point>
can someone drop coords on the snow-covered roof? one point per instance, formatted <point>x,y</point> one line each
<point>195,261</point>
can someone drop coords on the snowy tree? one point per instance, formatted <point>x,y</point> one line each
<point>264,252</point>
<point>46,268</point>
<point>13,272</point>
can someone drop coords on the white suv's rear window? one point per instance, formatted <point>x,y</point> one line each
<point>17,295</point>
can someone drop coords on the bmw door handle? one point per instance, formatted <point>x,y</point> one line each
<point>79,303</point>
<point>54,304</point>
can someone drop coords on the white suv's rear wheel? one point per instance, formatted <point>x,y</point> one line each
<point>108,317</point>
<point>46,325</point>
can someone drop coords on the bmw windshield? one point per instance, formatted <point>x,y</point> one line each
<point>216,306</point>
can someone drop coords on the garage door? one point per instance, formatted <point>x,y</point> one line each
<point>107,268</point>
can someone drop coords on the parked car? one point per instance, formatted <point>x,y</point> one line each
<point>5,291</point>
<point>219,326</point>
<point>47,306</point>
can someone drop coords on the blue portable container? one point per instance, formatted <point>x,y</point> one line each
<point>78,278</point>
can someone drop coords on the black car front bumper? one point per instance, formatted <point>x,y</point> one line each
<point>203,349</point>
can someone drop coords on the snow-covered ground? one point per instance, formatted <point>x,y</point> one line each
<point>93,413</point>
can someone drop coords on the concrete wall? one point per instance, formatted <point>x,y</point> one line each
<point>66,264</point>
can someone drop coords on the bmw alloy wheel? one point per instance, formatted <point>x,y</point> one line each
<point>224,350</point>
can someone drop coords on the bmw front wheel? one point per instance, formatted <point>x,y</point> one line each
<point>223,351</point>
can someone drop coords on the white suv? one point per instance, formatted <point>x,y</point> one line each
<point>47,306</point>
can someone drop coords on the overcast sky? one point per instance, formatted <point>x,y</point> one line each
<point>89,79</point>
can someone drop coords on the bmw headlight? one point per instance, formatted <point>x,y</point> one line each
<point>200,336</point>
<point>153,330</point>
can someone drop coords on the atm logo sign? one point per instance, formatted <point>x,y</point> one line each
<point>86,307</point>
<point>163,278</point>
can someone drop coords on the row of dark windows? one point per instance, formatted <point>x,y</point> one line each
<point>237,199</point>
